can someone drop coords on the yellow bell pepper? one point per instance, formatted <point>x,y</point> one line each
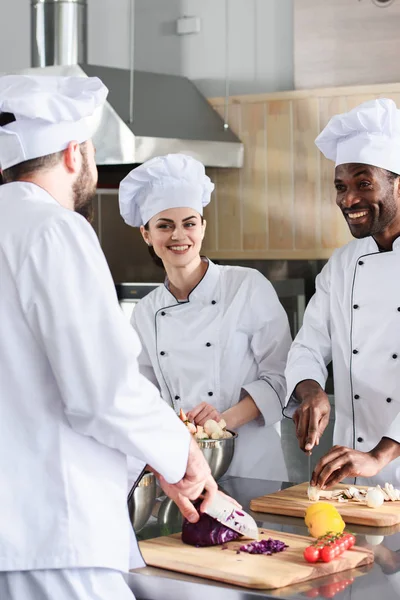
<point>322,518</point>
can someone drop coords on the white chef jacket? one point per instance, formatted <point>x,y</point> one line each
<point>354,320</point>
<point>72,401</point>
<point>230,339</point>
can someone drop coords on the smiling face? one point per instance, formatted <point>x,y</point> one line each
<point>176,235</point>
<point>369,199</point>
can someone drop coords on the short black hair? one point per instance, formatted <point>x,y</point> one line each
<point>18,172</point>
<point>391,175</point>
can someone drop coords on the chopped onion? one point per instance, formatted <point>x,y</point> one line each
<point>269,546</point>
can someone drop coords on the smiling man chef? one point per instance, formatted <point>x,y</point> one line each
<point>72,401</point>
<point>354,317</point>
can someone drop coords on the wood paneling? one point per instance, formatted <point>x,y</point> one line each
<point>345,42</point>
<point>280,174</point>
<point>281,204</point>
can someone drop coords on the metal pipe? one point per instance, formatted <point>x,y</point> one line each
<point>131,59</point>
<point>58,32</point>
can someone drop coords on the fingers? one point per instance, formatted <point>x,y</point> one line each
<point>302,428</point>
<point>186,508</point>
<point>313,429</point>
<point>192,414</point>
<point>211,489</point>
<point>334,460</point>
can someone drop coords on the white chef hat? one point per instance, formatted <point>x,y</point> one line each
<point>171,181</point>
<point>368,134</point>
<point>50,112</point>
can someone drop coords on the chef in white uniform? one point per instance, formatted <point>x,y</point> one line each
<point>353,319</point>
<point>215,338</point>
<point>72,401</point>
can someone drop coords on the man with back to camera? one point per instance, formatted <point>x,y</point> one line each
<point>354,317</point>
<point>73,404</point>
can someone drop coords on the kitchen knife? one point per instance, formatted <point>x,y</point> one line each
<point>309,467</point>
<point>231,516</point>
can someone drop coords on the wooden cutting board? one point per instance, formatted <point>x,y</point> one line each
<point>248,570</point>
<point>293,501</point>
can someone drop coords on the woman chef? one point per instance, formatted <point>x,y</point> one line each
<point>215,338</point>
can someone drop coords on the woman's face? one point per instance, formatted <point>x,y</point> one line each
<point>176,235</point>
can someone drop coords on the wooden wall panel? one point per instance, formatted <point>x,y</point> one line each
<point>254,193</point>
<point>305,167</point>
<point>345,42</point>
<point>280,196</point>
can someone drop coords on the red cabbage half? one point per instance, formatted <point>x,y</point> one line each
<point>207,532</point>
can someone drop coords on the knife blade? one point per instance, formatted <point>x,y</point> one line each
<point>309,466</point>
<point>231,516</point>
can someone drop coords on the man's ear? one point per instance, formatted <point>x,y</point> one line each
<point>73,157</point>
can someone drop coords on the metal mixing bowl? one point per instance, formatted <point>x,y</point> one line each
<point>142,502</point>
<point>219,454</point>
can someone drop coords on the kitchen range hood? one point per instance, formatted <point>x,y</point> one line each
<point>169,113</point>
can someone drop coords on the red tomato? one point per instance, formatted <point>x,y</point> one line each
<point>311,554</point>
<point>328,553</point>
<point>351,540</point>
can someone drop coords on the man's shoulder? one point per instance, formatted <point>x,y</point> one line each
<point>352,250</point>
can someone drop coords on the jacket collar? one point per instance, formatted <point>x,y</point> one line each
<point>207,290</point>
<point>27,189</point>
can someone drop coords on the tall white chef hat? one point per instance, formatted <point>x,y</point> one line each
<point>50,112</point>
<point>368,134</point>
<point>171,181</point>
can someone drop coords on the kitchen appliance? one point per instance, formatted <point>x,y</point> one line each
<point>129,294</point>
<point>147,114</point>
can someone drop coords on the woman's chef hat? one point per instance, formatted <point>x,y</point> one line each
<point>171,181</point>
<point>368,134</point>
<point>50,112</point>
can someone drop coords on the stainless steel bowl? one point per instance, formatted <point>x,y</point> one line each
<point>141,504</point>
<point>219,454</point>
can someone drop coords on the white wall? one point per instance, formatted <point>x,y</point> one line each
<point>260,36</point>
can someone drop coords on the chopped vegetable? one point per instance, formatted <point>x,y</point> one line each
<point>353,494</point>
<point>211,430</point>
<point>268,546</point>
<point>207,532</point>
<point>375,498</point>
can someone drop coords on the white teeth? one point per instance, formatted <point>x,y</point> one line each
<point>357,215</point>
<point>179,248</point>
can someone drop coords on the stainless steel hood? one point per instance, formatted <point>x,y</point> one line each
<point>169,113</point>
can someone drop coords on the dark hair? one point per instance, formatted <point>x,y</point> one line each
<point>391,176</point>
<point>156,259</point>
<point>23,169</point>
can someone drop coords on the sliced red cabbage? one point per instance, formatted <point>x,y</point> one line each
<point>207,532</point>
<point>269,546</point>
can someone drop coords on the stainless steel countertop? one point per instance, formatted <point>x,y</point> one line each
<point>381,581</point>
